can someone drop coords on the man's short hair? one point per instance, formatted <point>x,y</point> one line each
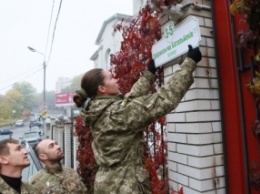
<point>36,149</point>
<point>4,149</point>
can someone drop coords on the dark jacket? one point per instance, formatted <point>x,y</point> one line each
<point>25,188</point>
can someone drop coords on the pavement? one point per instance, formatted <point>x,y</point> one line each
<point>7,126</point>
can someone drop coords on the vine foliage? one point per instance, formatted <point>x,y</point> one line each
<point>138,38</point>
<point>139,35</point>
<point>87,167</point>
<point>250,10</point>
<point>250,39</point>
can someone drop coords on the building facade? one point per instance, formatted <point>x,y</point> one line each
<point>108,41</point>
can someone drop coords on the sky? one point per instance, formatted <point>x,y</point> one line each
<point>26,23</point>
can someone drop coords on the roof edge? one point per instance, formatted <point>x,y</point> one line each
<point>116,16</point>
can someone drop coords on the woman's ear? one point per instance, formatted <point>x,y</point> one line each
<point>101,89</point>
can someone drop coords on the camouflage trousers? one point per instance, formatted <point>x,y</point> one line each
<point>127,179</point>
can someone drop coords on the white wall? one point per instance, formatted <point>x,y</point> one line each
<point>137,4</point>
<point>109,43</point>
<point>195,145</point>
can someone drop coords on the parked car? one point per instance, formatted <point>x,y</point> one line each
<point>31,137</point>
<point>76,113</point>
<point>62,117</point>
<point>35,123</point>
<point>36,129</point>
<point>19,123</point>
<point>6,132</point>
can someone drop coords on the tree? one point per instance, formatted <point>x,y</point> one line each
<point>50,101</point>
<point>28,92</point>
<point>13,100</point>
<point>74,85</point>
<point>6,111</point>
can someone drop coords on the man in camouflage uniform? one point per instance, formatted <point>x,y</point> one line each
<point>13,159</point>
<point>117,125</point>
<point>54,178</point>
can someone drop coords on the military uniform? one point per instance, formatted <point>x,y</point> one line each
<point>117,124</point>
<point>65,181</point>
<point>25,188</point>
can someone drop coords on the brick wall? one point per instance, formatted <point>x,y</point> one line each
<point>194,134</point>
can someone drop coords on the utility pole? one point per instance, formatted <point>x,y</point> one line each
<point>44,76</point>
<point>44,84</point>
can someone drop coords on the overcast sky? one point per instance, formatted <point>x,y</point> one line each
<point>26,23</point>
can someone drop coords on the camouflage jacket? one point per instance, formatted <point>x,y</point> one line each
<point>25,188</point>
<point>117,124</point>
<point>66,181</point>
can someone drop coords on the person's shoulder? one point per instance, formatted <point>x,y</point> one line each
<point>67,169</point>
<point>39,173</point>
<point>5,188</point>
<point>1,180</point>
<point>70,171</point>
<point>27,188</point>
<point>37,176</point>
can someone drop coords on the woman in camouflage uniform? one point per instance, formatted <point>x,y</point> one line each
<point>117,122</point>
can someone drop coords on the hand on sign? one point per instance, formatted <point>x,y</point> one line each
<point>194,54</point>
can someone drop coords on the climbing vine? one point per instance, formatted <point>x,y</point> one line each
<point>249,38</point>
<point>139,35</point>
<point>87,167</point>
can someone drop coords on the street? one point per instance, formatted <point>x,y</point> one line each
<point>17,131</point>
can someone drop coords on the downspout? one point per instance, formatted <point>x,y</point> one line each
<point>220,100</point>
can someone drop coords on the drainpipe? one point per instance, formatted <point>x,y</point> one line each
<point>224,138</point>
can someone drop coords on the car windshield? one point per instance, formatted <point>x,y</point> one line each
<point>30,135</point>
<point>2,137</point>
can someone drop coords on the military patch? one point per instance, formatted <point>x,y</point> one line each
<point>122,103</point>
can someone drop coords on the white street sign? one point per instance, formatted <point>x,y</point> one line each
<point>176,40</point>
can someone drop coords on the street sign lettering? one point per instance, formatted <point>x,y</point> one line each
<point>176,40</point>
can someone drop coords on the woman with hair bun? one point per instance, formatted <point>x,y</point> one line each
<point>117,122</point>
